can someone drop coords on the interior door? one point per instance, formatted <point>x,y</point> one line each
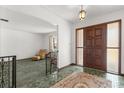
<point>88,47</point>
<point>95,47</point>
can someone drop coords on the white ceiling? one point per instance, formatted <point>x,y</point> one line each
<point>18,19</point>
<point>25,22</point>
<point>70,12</point>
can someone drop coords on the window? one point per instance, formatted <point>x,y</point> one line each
<point>79,47</point>
<point>113,47</point>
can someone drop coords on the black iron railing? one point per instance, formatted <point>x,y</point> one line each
<point>8,72</point>
<point>52,58</point>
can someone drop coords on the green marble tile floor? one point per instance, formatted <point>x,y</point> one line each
<point>31,74</point>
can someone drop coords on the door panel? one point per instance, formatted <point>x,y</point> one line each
<point>88,57</point>
<point>95,47</point>
<point>89,35</point>
<point>88,47</point>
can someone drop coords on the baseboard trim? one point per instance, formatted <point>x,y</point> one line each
<point>72,64</point>
<point>24,59</point>
<point>79,65</point>
<point>121,74</point>
<point>64,67</point>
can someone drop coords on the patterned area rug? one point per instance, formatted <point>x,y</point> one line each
<point>83,80</point>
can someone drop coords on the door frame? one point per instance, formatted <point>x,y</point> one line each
<point>120,22</point>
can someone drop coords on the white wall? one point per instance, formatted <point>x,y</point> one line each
<point>98,20</point>
<point>64,29</point>
<point>20,43</point>
<point>46,39</point>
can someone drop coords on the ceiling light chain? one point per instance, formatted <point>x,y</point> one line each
<point>81,7</point>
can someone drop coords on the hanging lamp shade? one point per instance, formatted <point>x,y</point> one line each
<point>82,14</point>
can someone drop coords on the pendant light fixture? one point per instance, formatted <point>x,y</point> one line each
<point>82,13</point>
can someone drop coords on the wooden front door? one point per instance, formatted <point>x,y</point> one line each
<point>95,47</point>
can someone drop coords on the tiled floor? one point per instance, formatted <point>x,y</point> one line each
<point>32,74</point>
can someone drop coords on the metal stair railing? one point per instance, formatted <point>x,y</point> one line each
<point>8,72</point>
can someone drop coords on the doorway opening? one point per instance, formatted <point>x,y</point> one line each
<point>99,47</point>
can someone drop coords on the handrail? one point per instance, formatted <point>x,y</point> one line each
<point>5,70</point>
